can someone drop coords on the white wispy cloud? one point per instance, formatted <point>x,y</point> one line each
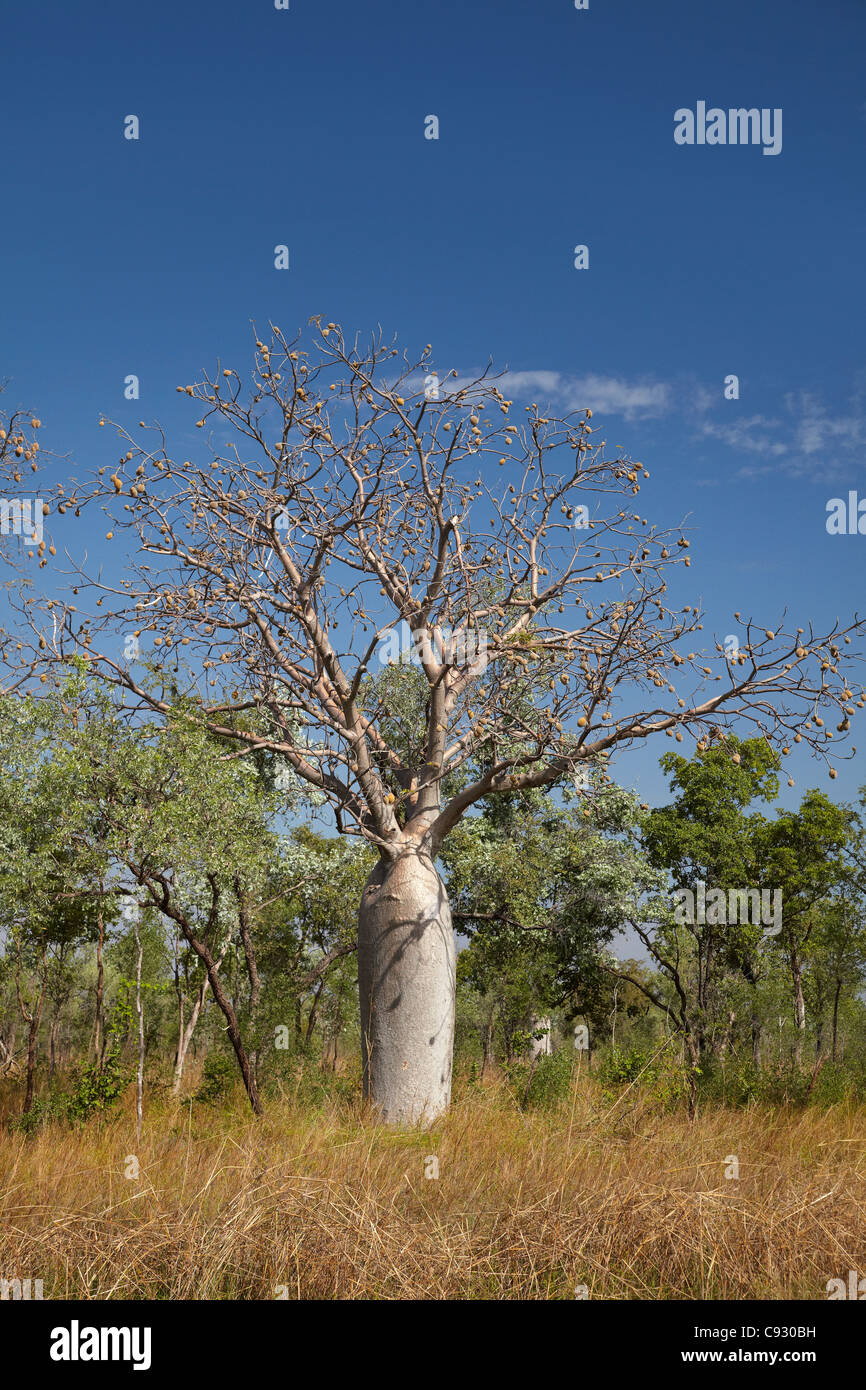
<point>750,434</point>
<point>608,395</point>
<point>816,430</point>
<point>804,437</point>
<point>806,440</point>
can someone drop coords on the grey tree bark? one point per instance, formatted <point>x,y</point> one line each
<point>407,985</point>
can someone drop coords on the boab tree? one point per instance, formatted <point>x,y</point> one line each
<point>349,501</point>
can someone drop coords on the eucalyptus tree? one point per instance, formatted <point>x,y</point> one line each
<point>542,886</point>
<point>193,833</point>
<point>711,840</point>
<point>349,499</point>
<point>806,857</point>
<point>46,862</point>
<point>843,930</point>
<point>307,934</point>
<point>838,963</point>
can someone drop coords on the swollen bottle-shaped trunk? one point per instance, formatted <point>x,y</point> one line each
<point>406,979</point>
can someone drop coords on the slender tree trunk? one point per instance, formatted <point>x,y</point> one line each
<point>407,985</point>
<point>819,1062</point>
<point>487,1035</point>
<point>180,1049</point>
<point>799,1009</point>
<point>756,1040</point>
<point>329,1053</point>
<point>231,1018</point>
<point>139,1080</point>
<point>314,1009</point>
<point>836,1018</point>
<point>52,1046</point>
<point>31,1017</point>
<point>158,887</point>
<point>100,981</point>
<point>185,1033</point>
<point>252,967</point>
<point>32,1031</point>
<point>179,995</point>
<point>694,1053</point>
<point>249,951</point>
<point>721,1045</point>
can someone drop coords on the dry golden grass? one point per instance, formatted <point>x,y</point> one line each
<point>623,1198</point>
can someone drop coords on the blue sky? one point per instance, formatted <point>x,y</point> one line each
<point>306,127</point>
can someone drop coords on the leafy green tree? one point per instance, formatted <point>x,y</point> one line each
<point>838,963</point>
<point>806,859</point>
<point>43,908</point>
<point>541,889</point>
<point>708,836</point>
<point>307,934</point>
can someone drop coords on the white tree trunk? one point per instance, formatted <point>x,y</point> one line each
<point>799,1013</point>
<point>407,983</point>
<point>185,1032</point>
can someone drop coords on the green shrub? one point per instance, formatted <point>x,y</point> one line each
<point>42,1111</point>
<point>219,1077</point>
<point>96,1089</point>
<point>739,1083</point>
<point>545,1083</point>
<point>620,1066</point>
<point>657,1074</point>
